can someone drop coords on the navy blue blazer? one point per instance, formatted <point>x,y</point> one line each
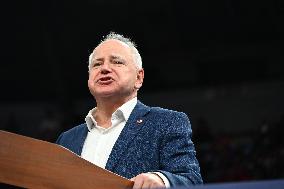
<point>160,142</point>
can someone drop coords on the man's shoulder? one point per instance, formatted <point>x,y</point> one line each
<point>159,110</point>
<point>164,112</point>
<point>76,130</point>
<point>74,134</point>
<point>170,121</point>
<point>165,117</point>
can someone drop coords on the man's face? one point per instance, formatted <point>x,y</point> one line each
<point>113,72</point>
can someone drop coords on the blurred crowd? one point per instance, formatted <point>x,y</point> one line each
<point>256,154</point>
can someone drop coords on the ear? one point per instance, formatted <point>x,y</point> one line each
<point>139,79</point>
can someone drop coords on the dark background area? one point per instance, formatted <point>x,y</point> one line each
<point>221,62</point>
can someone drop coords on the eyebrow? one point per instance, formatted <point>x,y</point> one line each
<point>111,57</point>
<point>98,59</point>
<point>115,57</point>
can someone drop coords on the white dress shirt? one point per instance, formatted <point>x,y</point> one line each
<point>100,141</point>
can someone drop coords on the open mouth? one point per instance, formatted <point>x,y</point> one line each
<point>105,80</point>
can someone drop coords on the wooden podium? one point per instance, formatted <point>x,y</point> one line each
<point>32,163</point>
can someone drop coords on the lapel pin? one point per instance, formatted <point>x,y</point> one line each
<point>139,121</point>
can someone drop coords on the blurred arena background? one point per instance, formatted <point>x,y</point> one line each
<point>221,62</point>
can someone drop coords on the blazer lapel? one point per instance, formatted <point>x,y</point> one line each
<point>78,139</point>
<point>81,139</point>
<point>133,125</point>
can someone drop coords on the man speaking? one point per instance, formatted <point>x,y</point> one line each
<point>150,145</point>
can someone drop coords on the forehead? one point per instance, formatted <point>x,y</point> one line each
<point>112,46</point>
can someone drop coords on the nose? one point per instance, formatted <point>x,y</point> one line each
<point>105,68</point>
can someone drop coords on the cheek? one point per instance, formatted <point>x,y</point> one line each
<point>91,79</point>
<point>132,80</point>
<point>90,84</point>
<point>127,77</point>
<point>92,75</point>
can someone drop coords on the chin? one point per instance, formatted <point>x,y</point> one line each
<point>106,93</point>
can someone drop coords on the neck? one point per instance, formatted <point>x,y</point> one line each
<point>106,107</point>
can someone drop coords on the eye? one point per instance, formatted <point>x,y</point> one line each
<point>96,64</point>
<point>117,62</point>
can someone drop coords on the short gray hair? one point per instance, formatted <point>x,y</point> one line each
<point>112,35</point>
